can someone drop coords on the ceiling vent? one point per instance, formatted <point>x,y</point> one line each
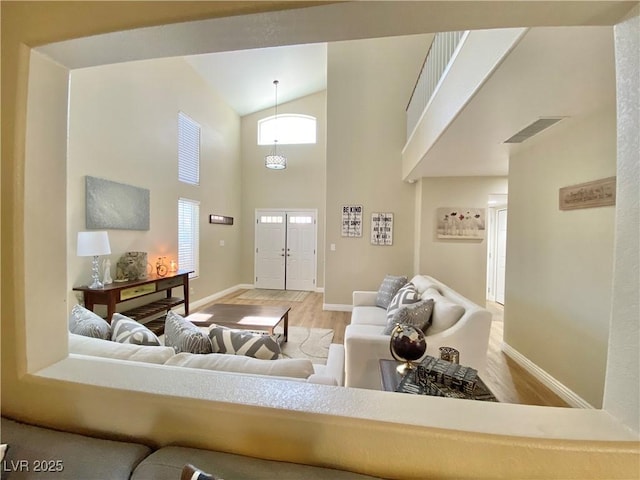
<point>533,129</point>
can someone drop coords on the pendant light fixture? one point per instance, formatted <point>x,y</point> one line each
<point>274,160</point>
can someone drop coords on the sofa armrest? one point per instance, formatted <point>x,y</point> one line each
<point>364,298</point>
<point>365,345</point>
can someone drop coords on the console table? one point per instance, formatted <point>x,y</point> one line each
<point>119,292</point>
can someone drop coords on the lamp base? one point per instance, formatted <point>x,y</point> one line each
<point>95,274</point>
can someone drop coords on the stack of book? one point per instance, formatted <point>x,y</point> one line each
<point>452,376</point>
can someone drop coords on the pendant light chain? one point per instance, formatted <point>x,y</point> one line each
<point>274,161</point>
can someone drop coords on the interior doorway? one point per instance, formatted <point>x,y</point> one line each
<point>286,251</point>
<point>496,247</point>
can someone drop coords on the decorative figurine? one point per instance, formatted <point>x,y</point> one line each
<point>106,269</point>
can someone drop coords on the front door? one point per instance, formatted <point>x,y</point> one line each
<point>270,249</point>
<point>285,256</point>
<point>301,251</point>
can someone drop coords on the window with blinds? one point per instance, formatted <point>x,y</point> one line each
<point>188,235</point>
<point>188,150</point>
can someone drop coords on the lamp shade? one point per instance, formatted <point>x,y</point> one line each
<point>93,243</point>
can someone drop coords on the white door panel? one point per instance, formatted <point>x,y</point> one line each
<point>501,255</point>
<point>270,259</point>
<point>301,251</point>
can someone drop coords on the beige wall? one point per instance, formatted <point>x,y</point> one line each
<point>559,263</point>
<point>461,264</point>
<point>363,431</point>
<point>123,127</point>
<point>301,185</point>
<point>369,85</point>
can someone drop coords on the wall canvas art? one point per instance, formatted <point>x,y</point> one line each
<point>112,205</point>
<point>462,223</point>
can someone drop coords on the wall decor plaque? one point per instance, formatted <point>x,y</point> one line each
<point>382,228</point>
<point>599,193</point>
<point>352,221</point>
<point>113,205</point>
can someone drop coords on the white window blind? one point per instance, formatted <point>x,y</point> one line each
<point>188,235</point>
<point>188,150</point>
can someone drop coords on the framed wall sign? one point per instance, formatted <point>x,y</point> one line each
<point>352,220</point>
<point>599,193</point>
<point>382,228</point>
<point>220,219</point>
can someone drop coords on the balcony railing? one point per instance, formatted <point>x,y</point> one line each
<point>436,63</point>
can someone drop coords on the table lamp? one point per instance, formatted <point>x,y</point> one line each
<point>94,244</point>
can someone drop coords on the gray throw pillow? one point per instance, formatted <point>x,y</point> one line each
<point>238,342</point>
<point>405,296</point>
<point>184,336</point>
<point>85,322</point>
<point>417,315</point>
<point>127,330</point>
<point>388,289</point>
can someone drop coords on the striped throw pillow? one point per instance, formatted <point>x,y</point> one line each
<point>239,342</point>
<point>184,336</point>
<point>127,330</point>
<point>405,296</point>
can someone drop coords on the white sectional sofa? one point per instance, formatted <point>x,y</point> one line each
<point>365,343</point>
<point>295,369</point>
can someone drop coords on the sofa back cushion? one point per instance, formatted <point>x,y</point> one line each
<point>388,289</point>
<point>122,351</point>
<point>445,312</point>
<point>285,367</point>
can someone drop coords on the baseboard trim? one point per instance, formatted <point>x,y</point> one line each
<point>319,290</point>
<point>568,395</point>
<point>217,295</point>
<point>337,307</point>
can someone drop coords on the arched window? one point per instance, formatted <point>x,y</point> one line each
<point>289,129</point>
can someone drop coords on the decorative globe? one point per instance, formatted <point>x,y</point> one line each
<point>407,344</point>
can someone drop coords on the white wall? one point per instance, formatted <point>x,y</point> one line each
<point>123,127</point>
<point>559,263</point>
<point>461,264</point>
<point>301,185</point>
<point>623,359</point>
<point>369,85</point>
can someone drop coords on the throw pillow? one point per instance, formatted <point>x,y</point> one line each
<point>190,472</point>
<point>416,314</point>
<point>184,336</point>
<point>239,342</point>
<point>405,296</point>
<point>127,330</point>
<point>84,322</point>
<point>445,312</point>
<point>388,289</point>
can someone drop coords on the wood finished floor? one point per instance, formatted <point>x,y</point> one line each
<point>507,380</point>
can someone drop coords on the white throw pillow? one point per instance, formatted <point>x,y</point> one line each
<point>286,367</point>
<point>445,312</point>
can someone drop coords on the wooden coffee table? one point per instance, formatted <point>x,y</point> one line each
<point>246,317</point>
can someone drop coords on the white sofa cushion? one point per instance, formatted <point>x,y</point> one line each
<point>122,351</point>
<point>445,312</point>
<point>285,367</point>
<point>368,315</point>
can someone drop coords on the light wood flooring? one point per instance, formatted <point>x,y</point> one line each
<point>508,381</point>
